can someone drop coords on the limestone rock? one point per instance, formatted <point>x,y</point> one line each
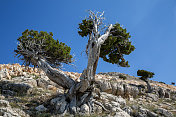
<point>167,93</point>
<point>98,109</point>
<point>127,90</point>
<point>164,112</point>
<point>19,87</point>
<point>84,109</point>
<point>121,113</point>
<point>153,96</point>
<point>105,86</point>
<point>161,93</point>
<point>142,112</point>
<point>12,112</point>
<point>134,91</point>
<point>4,103</point>
<point>127,109</point>
<point>120,89</point>
<point>151,114</point>
<point>59,103</point>
<point>41,108</point>
<point>42,83</point>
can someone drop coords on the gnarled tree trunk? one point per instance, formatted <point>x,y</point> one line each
<point>149,88</point>
<point>79,93</point>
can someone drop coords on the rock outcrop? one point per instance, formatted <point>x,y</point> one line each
<point>27,91</point>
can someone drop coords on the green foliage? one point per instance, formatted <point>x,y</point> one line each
<point>145,74</point>
<point>172,83</point>
<point>162,82</point>
<point>121,76</point>
<point>44,45</point>
<point>115,47</point>
<point>85,27</point>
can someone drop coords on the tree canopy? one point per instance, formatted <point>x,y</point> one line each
<point>145,74</point>
<point>115,47</point>
<point>42,44</point>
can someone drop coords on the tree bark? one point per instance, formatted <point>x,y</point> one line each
<point>79,93</point>
<point>55,75</point>
<point>149,88</point>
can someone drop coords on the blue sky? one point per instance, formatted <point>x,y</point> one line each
<point>151,23</point>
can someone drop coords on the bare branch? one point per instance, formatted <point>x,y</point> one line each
<point>102,38</point>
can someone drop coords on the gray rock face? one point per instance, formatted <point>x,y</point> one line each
<point>134,92</point>
<point>84,109</point>
<point>7,111</point>
<point>167,93</point>
<point>98,109</point>
<point>42,83</point>
<point>4,103</point>
<point>161,93</point>
<point>127,90</point>
<point>127,110</point>
<point>20,88</point>
<point>173,95</point>
<point>59,103</point>
<point>12,112</point>
<point>105,86</point>
<point>142,112</point>
<point>40,108</point>
<point>121,113</point>
<point>164,112</point>
<point>151,114</point>
<point>111,97</point>
<point>153,96</point>
<point>26,80</point>
<point>120,89</point>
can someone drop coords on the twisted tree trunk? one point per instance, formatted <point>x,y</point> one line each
<point>149,88</point>
<point>79,93</point>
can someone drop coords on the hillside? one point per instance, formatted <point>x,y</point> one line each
<point>28,92</point>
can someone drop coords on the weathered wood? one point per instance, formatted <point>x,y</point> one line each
<point>149,88</point>
<point>93,49</point>
<point>79,93</point>
<point>55,75</point>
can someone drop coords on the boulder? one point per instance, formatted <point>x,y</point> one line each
<point>142,112</point>
<point>98,109</point>
<point>127,109</point>
<point>161,93</point>
<point>120,89</point>
<point>121,113</point>
<point>154,97</point>
<point>42,83</point>
<point>167,93</point>
<point>84,109</point>
<point>114,88</point>
<point>164,112</point>
<point>4,103</point>
<point>59,103</point>
<point>105,86</point>
<point>41,108</point>
<point>127,90</point>
<point>12,112</point>
<point>134,91</point>
<point>20,88</point>
<point>151,114</point>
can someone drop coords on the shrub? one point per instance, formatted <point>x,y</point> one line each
<point>145,74</point>
<point>42,44</point>
<point>122,76</point>
<point>173,83</point>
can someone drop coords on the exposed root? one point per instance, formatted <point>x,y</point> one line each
<point>98,103</point>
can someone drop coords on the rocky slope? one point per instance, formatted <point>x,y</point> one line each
<point>26,91</point>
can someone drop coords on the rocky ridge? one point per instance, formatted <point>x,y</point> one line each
<point>27,91</point>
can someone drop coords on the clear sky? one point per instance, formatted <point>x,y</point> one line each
<point>151,23</point>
